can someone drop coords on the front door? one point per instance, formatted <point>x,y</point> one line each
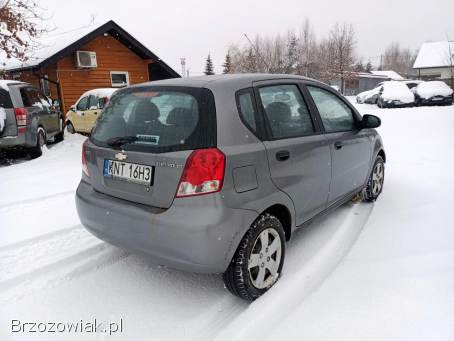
<point>91,114</point>
<point>298,154</point>
<point>351,148</point>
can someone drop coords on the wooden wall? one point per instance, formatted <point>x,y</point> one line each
<point>111,56</point>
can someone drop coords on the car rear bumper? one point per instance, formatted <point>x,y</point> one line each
<point>12,141</point>
<point>197,234</point>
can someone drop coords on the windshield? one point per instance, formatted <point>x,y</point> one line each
<point>158,119</point>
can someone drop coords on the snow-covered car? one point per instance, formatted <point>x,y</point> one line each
<point>369,96</point>
<point>413,83</point>
<point>83,115</point>
<point>27,118</point>
<point>433,93</point>
<point>395,94</point>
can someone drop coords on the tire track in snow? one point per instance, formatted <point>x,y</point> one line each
<point>53,258</point>
<point>265,313</point>
<point>32,200</point>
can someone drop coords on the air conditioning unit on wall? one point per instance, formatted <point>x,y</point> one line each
<point>86,59</point>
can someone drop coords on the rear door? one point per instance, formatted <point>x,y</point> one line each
<point>52,115</point>
<point>298,154</point>
<point>351,148</point>
<point>163,125</point>
<point>37,110</point>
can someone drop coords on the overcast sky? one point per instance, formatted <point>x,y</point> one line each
<point>194,28</point>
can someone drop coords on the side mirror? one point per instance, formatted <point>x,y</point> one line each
<point>370,121</point>
<point>56,104</point>
<point>72,108</point>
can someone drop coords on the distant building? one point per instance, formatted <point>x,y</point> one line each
<point>392,75</point>
<point>69,64</point>
<point>435,61</point>
<point>357,82</point>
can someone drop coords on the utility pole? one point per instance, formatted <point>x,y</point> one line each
<point>183,66</point>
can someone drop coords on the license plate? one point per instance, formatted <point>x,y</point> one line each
<point>132,172</point>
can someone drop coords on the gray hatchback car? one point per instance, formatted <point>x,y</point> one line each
<point>213,174</point>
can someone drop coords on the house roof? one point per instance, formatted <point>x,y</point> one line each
<point>393,75</point>
<point>57,47</point>
<point>434,54</point>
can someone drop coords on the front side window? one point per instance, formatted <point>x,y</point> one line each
<point>158,119</point>
<point>335,114</point>
<point>287,113</point>
<point>92,102</point>
<point>246,108</point>
<point>82,105</point>
<point>119,79</point>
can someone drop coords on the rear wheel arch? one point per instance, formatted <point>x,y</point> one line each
<point>282,213</point>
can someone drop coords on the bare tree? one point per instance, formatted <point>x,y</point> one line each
<point>20,26</point>
<point>342,44</point>
<point>399,59</point>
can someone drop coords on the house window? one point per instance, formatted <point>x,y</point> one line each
<point>119,78</point>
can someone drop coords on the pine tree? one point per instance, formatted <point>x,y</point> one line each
<point>227,64</point>
<point>369,66</point>
<point>209,66</point>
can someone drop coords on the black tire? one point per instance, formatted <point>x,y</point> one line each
<point>238,278</point>
<point>41,140</point>
<point>61,135</point>
<point>70,127</point>
<point>373,189</point>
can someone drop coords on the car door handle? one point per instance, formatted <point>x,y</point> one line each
<point>282,155</point>
<point>338,145</point>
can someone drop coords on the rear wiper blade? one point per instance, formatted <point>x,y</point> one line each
<point>121,140</point>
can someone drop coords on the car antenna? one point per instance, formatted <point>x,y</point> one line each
<point>257,52</point>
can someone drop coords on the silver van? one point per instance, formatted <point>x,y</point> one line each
<point>213,174</point>
<point>27,118</point>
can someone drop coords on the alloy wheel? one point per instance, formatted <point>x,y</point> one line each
<point>378,176</point>
<point>265,258</point>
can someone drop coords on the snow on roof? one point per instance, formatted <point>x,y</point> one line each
<point>370,75</point>
<point>5,82</point>
<point>389,73</point>
<point>48,46</point>
<point>434,54</point>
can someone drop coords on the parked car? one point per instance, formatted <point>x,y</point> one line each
<point>214,174</point>
<point>411,84</point>
<point>369,97</point>
<point>394,94</point>
<point>83,115</point>
<point>433,93</point>
<point>27,118</point>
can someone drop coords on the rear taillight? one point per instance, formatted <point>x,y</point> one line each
<point>21,118</point>
<point>203,173</point>
<point>84,160</point>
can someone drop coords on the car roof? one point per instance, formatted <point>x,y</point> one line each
<point>100,92</point>
<point>4,83</point>
<point>233,80</point>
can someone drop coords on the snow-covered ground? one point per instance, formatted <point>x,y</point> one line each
<point>382,271</point>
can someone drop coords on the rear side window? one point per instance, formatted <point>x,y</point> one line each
<point>5,99</point>
<point>246,108</point>
<point>159,119</point>
<point>286,111</point>
<point>32,98</point>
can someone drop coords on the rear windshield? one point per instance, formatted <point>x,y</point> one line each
<point>5,99</point>
<point>158,119</point>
